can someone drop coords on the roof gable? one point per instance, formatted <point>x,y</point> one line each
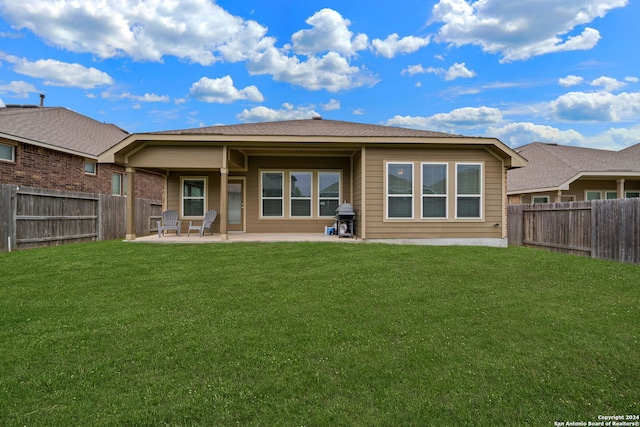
<point>59,128</point>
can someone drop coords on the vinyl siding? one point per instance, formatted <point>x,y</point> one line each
<point>377,227</point>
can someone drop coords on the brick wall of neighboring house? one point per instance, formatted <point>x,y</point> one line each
<point>44,168</point>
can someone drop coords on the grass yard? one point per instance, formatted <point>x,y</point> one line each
<point>314,334</point>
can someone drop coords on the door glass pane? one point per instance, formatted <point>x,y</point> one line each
<point>234,211</point>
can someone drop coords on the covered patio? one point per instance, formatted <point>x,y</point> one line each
<point>231,237</point>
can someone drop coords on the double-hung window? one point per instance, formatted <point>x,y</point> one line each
<point>272,194</point>
<point>434,190</point>
<point>328,193</point>
<point>194,191</point>
<point>300,188</point>
<point>399,190</point>
<point>7,153</point>
<point>468,190</point>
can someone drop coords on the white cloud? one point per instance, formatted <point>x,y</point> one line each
<point>570,80</point>
<point>596,107</point>
<point>57,73</point>
<point>632,79</point>
<point>608,84</point>
<point>467,117</point>
<point>517,134</point>
<point>412,70</point>
<point>459,71</point>
<point>331,72</point>
<point>521,30</point>
<point>330,32</point>
<point>287,112</point>
<point>223,91</point>
<point>198,31</point>
<point>145,31</point>
<point>333,104</point>
<point>18,89</point>
<point>147,97</point>
<point>456,71</point>
<point>394,45</point>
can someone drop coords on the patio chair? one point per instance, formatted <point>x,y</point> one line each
<point>209,217</point>
<point>169,222</point>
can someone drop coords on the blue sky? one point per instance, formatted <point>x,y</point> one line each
<point>563,71</point>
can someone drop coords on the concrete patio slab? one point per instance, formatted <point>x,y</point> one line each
<point>244,237</point>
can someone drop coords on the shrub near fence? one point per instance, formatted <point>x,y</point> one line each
<point>604,229</point>
<point>33,217</point>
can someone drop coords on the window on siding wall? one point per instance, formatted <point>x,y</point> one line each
<point>540,199</point>
<point>328,193</point>
<point>272,194</point>
<point>632,194</point>
<point>300,193</point>
<point>194,191</point>
<point>399,190</point>
<point>593,195</point>
<point>468,190</point>
<point>434,190</point>
<point>7,153</point>
<point>611,195</point>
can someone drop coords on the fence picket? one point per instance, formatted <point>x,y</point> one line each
<point>604,229</point>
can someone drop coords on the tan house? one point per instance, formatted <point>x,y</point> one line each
<point>559,173</point>
<point>291,176</point>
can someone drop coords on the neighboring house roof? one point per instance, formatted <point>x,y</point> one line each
<point>59,129</point>
<point>554,167</point>
<point>316,130</point>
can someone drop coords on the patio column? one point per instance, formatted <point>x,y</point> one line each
<point>224,179</point>
<point>620,188</point>
<point>131,204</point>
<point>557,198</point>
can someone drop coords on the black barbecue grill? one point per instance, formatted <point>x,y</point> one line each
<point>345,218</point>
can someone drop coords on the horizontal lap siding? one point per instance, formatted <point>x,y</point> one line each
<point>493,201</point>
<point>255,224</point>
<point>213,194</point>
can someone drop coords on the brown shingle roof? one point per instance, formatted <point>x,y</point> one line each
<point>551,165</point>
<point>310,127</point>
<point>59,127</point>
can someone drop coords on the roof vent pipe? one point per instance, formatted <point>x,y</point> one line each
<point>42,100</point>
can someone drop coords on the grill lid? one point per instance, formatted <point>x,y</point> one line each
<point>345,209</point>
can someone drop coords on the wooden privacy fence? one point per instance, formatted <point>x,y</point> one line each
<point>605,229</point>
<point>31,217</point>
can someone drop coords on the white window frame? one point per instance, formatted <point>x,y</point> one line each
<point>608,192</point>
<point>570,197</point>
<point>12,149</point>
<point>445,195</point>
<point>120,184</point>
<point>262,197</point>
<point>205,190</point>
<point>94,167</point>
<point>479,196</point>
<point>541,196</point>
<point>586,194</point>
<point>626,194</point>
<point>292,198</point>
<point>387,195</point>
<point>322,199</point>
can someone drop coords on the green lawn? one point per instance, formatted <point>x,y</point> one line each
<point>314,334</point>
